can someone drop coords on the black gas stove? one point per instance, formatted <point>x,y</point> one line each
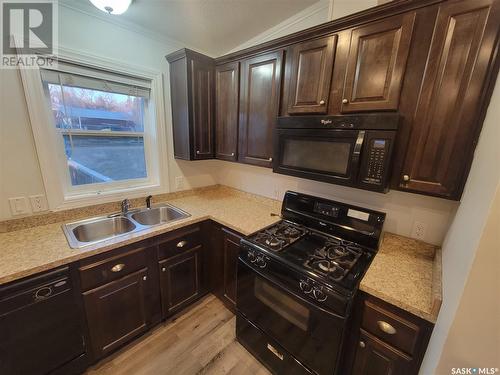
<point>297,280</point>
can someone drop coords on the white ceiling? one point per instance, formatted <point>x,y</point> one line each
<point>211,26</point>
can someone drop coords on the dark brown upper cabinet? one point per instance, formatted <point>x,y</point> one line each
<point>259,104</point>
<point>453,98</point>
<point>192,91</point>
<point>311,64</point>
<point>376,64</point>
<point>227,88</point>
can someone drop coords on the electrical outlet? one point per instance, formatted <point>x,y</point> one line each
<point>19,206</point>
<point>179,183</point>
<point>418,230</point>
<point>38,203</point>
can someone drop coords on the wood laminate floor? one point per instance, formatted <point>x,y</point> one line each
<point>199,341</point>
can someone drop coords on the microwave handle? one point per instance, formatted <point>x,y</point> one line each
<point>358,145</point>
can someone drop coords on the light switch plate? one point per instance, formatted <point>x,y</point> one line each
<point>38,203</point>
<point>179,183</point>
<point>19,206</point>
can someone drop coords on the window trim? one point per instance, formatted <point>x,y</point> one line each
<point>51,153</point>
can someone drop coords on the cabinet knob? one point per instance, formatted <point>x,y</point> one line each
<point>321,102</point>
<point>117,267</point>
<point>362,344</point>
<point>181,244</point>
<point>163,269</point>
<point>406,177</point>
<point>270,159</point>
<point>197,152</point>
<point>345,101</point>
<point>144,278</point>
<point>386,327</point>
<point>232,153</point>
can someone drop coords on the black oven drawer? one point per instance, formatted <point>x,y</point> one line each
<point>266,350</point>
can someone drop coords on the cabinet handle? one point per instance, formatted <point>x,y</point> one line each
<point>270,159</point>
<point>345,101</point>
<point>406,178</point>
<point>163,269</point>
<point>321,102</point>
<point>181,244</point>
<point>117,267</point>
<point>232,153</point>
<point>362,344</point>
<point>144,278</point>
<point>197,152</point>
<point>386,327</point>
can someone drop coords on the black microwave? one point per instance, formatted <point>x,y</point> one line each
<point>351,150</point>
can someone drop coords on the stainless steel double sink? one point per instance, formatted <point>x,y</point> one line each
<point>90,231</point>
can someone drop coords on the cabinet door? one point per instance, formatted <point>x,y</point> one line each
<point>447,119</point>
<point>117,312</point>
<point>259,104</point>
<point>374,357</point>
<point>376,64</point>
<point>311,73</point>
<point>231,251</point>
<point>202,91</point>
<point>180,280</point>
<point>226,112</point>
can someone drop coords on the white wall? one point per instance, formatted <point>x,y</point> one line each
<point>19,169</point>
<point>460,245</point>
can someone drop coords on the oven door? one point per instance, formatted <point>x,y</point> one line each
<point>308,332</point>
<point>328,155</point>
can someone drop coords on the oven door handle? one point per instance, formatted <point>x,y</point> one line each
<point>296,296</point>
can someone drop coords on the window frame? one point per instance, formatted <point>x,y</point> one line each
<point>61,194</point>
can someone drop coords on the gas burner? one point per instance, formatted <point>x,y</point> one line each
<point>279,236</point>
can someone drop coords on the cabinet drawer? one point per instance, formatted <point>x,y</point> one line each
<point>391,328</point>
<point>181,241</point>
<point>112,268</point>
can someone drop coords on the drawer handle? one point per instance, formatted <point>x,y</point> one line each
<point>117,267</point>
<point>181,244</point>
<point>386,327</point>
<point>273,350</point>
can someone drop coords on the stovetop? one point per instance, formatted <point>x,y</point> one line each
<point>324,257</point>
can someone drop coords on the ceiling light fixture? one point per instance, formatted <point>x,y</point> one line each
<point>112,6</point>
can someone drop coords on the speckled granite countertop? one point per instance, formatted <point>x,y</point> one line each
<point>405,272</point>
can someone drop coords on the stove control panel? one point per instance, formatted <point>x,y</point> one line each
<point>310,288</point>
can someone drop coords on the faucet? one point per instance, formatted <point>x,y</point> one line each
<point>149,198</point>
<point>125,206</point>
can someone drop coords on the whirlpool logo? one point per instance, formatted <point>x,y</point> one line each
<point>474,370</point>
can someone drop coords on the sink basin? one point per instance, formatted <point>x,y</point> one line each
<point>94,230</point>
<point>89,231</point>
<point>158,215</point>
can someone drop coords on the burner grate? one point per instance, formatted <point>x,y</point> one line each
<point>279,236</point>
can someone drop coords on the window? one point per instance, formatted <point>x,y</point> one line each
<point>101,134</point>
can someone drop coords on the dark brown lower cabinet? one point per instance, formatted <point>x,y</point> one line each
<point>180,278</point>
<point>117,312</point>
<point>231,249</point>
<point>374,357</point>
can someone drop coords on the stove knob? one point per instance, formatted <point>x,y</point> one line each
<point>261,262</point>
<point>305,287</point>
<point>319,295</point>
<point>251,256</point>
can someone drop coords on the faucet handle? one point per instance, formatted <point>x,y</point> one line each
<point>149,198</point>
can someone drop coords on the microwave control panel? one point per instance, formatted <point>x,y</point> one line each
<point>377,151</point>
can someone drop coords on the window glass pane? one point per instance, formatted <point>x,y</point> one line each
<point>95,159</point>
<point>317,155</point>
<point>94,110</point>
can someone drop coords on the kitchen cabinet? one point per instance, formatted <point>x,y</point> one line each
<point>227,88</point>
<point>180,279</point>
<point>231,250</point>
<point>192,91</point>
<point>259,103</point>
<point>376,64</point>
<point>117,312</point>
<point>311,64</point>
<point>385,340</point>
<point>453,99</point>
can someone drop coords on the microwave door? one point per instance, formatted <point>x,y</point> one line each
<point>324,155</point>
